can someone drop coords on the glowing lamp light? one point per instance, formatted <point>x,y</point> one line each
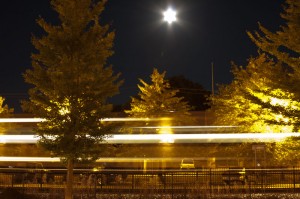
<point>166,138</point>
<point>169,16</point>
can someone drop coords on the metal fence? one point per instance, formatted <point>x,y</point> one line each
<point>204,181</point>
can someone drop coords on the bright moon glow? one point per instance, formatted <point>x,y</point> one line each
<point>170,16</point>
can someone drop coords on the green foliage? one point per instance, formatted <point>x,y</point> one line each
<point>72,81</point>
<point>236,103</point>
<point>264,96</point>
<point>283,47</point>
<point>4,110</point>
<point>158,100</point>
<point>286,153</point>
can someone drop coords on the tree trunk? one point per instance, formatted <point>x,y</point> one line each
<point>69,188</point>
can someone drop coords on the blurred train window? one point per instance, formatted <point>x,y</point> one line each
<point>187,163</point>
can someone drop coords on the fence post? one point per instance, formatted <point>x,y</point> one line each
<point>95,185</point>
<point>132,182</point>
<point>41,179</point>
<point>172,185</point>
<point>294,179</point>
<point>210,183</point>
<point>12,180</point>
<point>102,180</point>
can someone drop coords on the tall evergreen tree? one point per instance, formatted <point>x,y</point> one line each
<point>72,82</point>
<point>155,101</point>
<point>264,96</point>
<point>283,47</point>
<point>237,103</point>
<point>158,100</point>
<point>268,82</point>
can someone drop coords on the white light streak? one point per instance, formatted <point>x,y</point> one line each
<point>183,127</point>
<point>28,159</point>
<point>21,120</point>
<point>132,119</point>
<point>120,119</point>
<point>168,138</point>
<point>103,159</point>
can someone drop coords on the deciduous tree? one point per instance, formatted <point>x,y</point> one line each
<point>192,92</point>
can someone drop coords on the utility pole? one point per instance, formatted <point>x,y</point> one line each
<point>212,79</point>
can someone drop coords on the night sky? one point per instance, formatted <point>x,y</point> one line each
<point>207,31</point>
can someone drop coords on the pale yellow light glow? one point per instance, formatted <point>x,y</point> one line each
<point>165,130</point>
<point>169,16</point>
<point>279,117</point>
<point>132,119</point>
<point>282,102</point>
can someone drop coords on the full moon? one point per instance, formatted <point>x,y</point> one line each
<point>169,16</point>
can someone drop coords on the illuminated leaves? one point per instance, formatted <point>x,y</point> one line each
<point>71,80</point>
<point>157,99</point>
<point>248,100</point>
<point>264,96</point>
<point>284,44</point>
<point>4,110</point>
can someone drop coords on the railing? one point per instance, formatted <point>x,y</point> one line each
<point>204,181</point>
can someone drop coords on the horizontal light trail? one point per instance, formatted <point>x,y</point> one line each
<point>28,159</point>
<point>183,127</point>
<point>120,119</point>
<point>167,138</point>
<point>28,130</point>
<point>21,120</point>
<point>107,159</point>
<point>104,159</point>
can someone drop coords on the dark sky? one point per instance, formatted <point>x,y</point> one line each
<point>206,31</point>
